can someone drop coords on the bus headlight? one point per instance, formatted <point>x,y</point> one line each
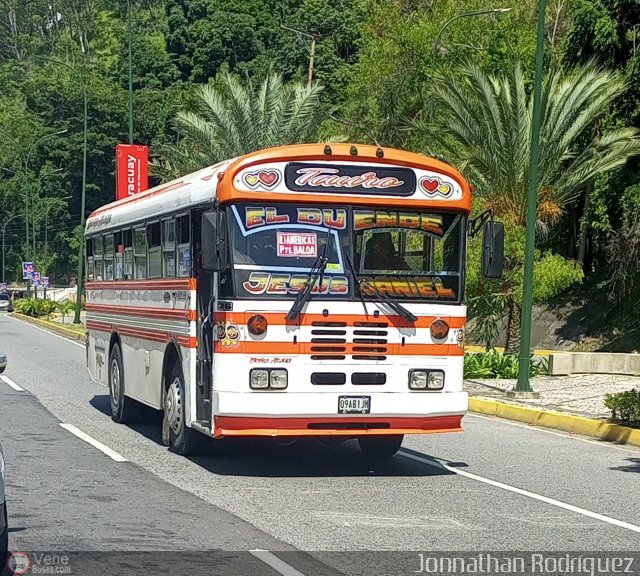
<point>259,379</point>
<point>278,379</point>
<point>418,379</point>
<point>435,380</point>
<point>426,379</point>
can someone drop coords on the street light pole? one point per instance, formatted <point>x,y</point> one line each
<point>76,319</point>
<point>471,14</point>
<point>26,195</point>
<point>130,74</point>
<point>523,384</point>
<point>4,228</point>
<point>33,208</point>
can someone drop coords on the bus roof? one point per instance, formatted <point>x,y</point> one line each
<point>304,173</point>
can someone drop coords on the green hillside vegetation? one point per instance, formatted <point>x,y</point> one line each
<point>208,74</point>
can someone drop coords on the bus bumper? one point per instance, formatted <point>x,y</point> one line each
<point>281,414</point>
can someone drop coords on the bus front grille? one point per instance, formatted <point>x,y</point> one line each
<point>332,341</point>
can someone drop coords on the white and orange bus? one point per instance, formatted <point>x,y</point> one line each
<point>310,290</point>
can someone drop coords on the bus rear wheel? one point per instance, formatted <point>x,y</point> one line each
<point>123,409</point>
<point>180,438</point>
<point>380,446</point>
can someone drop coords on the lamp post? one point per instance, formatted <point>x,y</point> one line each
<point>76,318</point>
<point>26,180</point>
<point>470,14</point>
<point>523,384</point>
<point>130,73</point>
<point>26,195</point>
<point>4,228</point>
<point>53,202</point>
<point>33,212</point>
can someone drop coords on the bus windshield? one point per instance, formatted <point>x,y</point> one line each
<point>407,255</point>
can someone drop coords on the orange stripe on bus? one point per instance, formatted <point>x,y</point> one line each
<point>99,326</point>
<point>259,426</point>
<point>317,349</point>
<point>279,319</point>
<point>149,335</point>
<point>161,284</point>
<point>141,311</point>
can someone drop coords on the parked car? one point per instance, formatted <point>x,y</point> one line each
<point>6,304</point>
<point>3,362</point>
<point>4,525</point>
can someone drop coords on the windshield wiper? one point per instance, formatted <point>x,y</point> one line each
<point>317,271</point>
<point>393,304</point>
<point>377,295</point>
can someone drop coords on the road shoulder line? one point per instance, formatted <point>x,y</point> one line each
<point>95,443</point>
<point>557,420</point>
<point>11,383</point>
<point>57,331</point>
<point>278,565</point>
<point>522,492</point>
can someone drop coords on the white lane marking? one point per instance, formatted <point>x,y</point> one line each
<point>11,383</point>
<point>278,565</point>
<point>602,443</point>
<point>50,333</point>
<point>520,491</point>
<point>99,445</point>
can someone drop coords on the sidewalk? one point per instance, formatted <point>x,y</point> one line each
<point>578,394</point>
<point>69,318</point>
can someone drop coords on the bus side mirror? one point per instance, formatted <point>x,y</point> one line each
<point>214,241</point>
<point>492,249</point>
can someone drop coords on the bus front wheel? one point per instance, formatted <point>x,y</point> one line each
<point>123,409</point>
<point>180,438</point>
<point>380,446</point>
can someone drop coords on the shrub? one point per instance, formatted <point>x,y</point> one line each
<point>494,364</point>
<point>66,308</point>
<point>35,307</point>
<point>625,407</point>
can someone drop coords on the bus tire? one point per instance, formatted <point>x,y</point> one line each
<point>182,439</point>
<point>380,446</point>
<point>4,541</point>
<point>123,410</point>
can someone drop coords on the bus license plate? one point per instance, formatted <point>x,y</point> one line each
<point>354,404</point>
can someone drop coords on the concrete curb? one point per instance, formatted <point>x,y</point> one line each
<point>51,326</point>
<point>557,420</point>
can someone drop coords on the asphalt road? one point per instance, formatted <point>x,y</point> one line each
<point>498,486</point>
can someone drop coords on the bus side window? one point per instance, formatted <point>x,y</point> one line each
<point>184,247</point>
<point>169,248</point>
<point>154,250</point>
<point>127,242</point>
<point>140,253</point>
<point>97,253</point>
<point>108,257</point>
<point>90,268</point>
<point>119,256</point>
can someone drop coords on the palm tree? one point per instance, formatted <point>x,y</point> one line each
<point>484,127</point>
<point>233,118</point>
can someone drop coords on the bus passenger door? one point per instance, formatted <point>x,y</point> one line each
<point>206,307</point>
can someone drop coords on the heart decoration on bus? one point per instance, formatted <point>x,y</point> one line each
<point>433,186</point>
<point>262,179</point>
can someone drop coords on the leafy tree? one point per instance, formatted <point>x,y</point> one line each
<point>607,31</point>
<point>395,71</point>
<point>233,118</point>
<point>485,126</point>
<point>489,300</point>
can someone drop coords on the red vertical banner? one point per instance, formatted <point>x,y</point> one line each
<point>132,169</point>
